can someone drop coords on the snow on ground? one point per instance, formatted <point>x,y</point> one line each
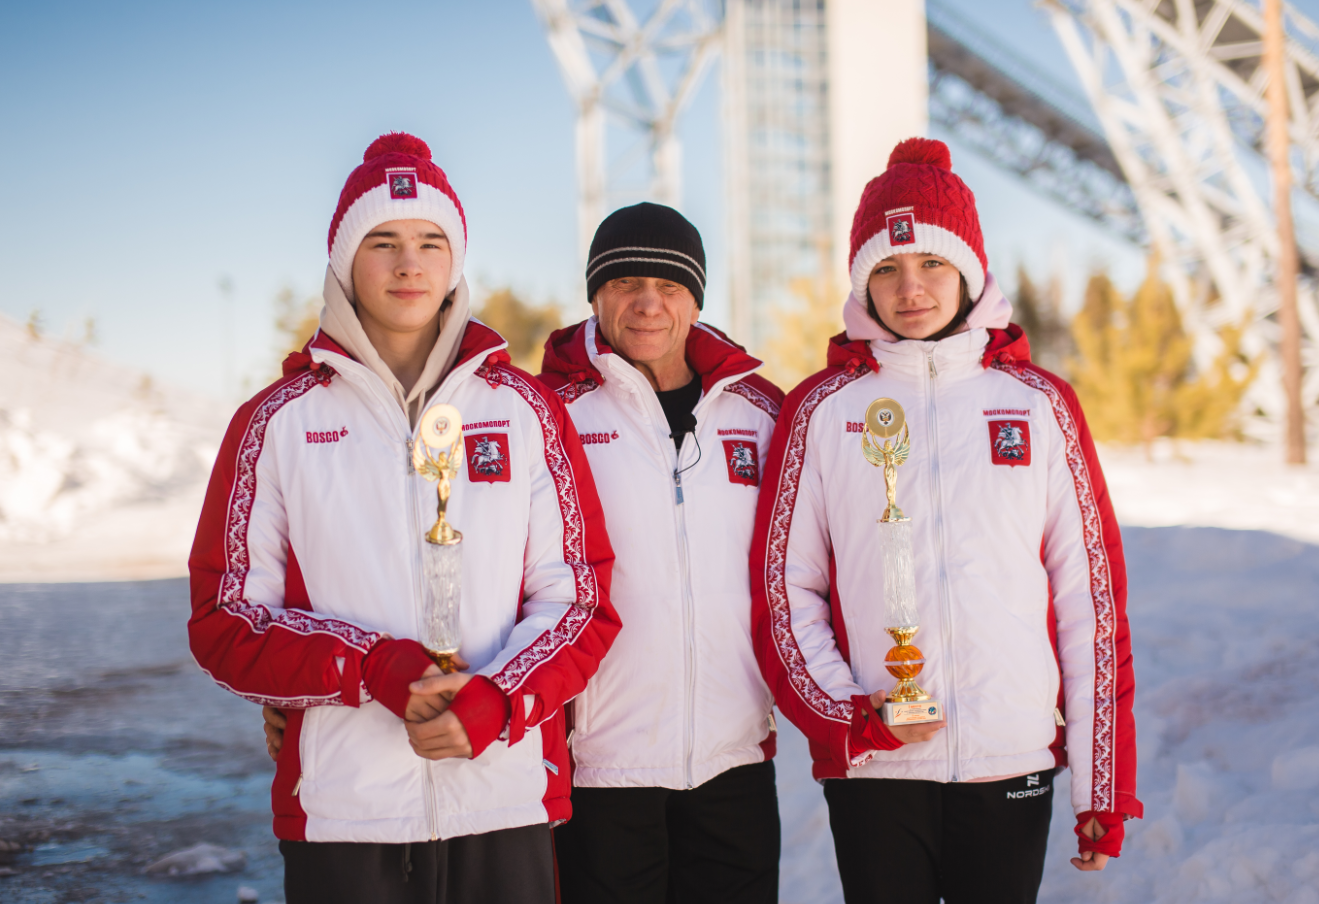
<point>115,750</point>
<point>101,473</point>
<point>1237,486</point>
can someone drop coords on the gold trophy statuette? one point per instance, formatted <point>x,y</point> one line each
<point>437,453</point>
<point>907,703</point>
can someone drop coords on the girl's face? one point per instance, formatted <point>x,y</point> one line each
<point>916,295</point>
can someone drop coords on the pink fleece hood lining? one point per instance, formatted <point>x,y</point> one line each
<point>992,310</point>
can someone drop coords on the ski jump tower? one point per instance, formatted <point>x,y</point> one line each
<point>797,84</point>
<point>1177,87</point>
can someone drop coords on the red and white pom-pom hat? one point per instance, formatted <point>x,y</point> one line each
<point>918,206</point>
<point>396,181</point>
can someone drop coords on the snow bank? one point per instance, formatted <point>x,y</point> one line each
<point>1239,486</point>
<point>97,465</point>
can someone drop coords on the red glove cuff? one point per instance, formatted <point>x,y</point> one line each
<point>868,731</point>
<point>390,667</point>
<point>484,711</point>
<point>1111,823</point>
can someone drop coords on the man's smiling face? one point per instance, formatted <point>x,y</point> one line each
<point>645,319</point>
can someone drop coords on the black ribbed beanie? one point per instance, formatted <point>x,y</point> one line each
<point>647,240</point>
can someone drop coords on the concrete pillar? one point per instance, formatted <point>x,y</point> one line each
<point>878,95</point>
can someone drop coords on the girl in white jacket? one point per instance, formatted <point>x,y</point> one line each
<point>1020,581</point>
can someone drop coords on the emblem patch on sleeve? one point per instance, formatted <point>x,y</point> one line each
<point>402,183</point>
<point>1009,442</point>
<point>743,462</point>
<point>487,457</point>
<point>901,226</point>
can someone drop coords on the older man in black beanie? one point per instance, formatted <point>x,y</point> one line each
<point>673,789</point>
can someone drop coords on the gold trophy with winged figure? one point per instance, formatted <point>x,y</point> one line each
<point>437,453</point>
<point>886,442</point>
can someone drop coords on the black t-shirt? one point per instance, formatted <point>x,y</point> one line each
<point>678,404</point>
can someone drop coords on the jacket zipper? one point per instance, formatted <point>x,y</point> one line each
<point>432,819</point>
<point>936,493</point>
<point>689,624</point>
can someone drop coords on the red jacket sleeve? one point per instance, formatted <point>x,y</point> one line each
<point>252,628</point>
<point>814,691</point>
<point>567,622</point>
<point>1083,555</point>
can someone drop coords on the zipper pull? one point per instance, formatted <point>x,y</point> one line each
<point>407,456</point>
<point>297,787</point>
<point>677,485</point>
<point>933,371</point>
<point>1058,717</point>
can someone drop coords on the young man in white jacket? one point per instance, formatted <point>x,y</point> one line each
<point>307,575</point>
<point>673,788</point>
<point>1019,578</point>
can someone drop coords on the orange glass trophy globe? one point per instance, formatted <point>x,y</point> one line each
<point>886,442</point>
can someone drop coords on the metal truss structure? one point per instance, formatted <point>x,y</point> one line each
<point>1021,120</point>
<point>642,71</point>
<point>776,109</point>
<point>1178,87</point>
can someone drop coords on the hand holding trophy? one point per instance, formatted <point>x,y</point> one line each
<point>436,455</point>
<point>907,704</point>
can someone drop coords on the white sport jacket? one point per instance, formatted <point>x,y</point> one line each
<point>1020,579</point>
<point>308,558</point>
<point>680,698</point>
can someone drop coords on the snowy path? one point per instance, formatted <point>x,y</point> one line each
<point>138,754</point>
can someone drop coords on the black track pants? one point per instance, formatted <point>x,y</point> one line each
<point>913,842</point>
<point>717,843</point>
<point>510,866</point>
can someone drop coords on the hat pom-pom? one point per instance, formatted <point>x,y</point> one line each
<point>927,151</point>
<point>397,143</point>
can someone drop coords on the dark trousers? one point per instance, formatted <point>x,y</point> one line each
<point>717,843</point>
<point>510,866</point>
<point>916,842</point>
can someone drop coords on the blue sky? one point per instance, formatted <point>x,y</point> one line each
<point>150,148</point>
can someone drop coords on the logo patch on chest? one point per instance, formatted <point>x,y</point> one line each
<point>743,462</point>
<point>487,457</point>
<point>326,436</point>
<point>901,226</point>
<point>402,183</point>
<point>1009,442</point>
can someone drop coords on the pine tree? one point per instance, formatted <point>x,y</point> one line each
<point>525,327</point>
<point>1134,373</point>
<point>295,321</point>
<point>1039,312</point>
<point>1094,370</point>
<point>801,339</point>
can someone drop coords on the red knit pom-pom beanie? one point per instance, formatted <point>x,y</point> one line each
<point>396,181</point>
<point>918,206</point>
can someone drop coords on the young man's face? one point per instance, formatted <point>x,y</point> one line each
<point>915,294</point>
<point>401,275</point>
<point>644,319</point>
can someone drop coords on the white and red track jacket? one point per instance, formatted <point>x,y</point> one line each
<point>308,560</point>
<point>680,698</point>
<point>1019,569</point>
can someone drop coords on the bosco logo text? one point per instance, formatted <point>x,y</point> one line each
<point>326,436</point>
